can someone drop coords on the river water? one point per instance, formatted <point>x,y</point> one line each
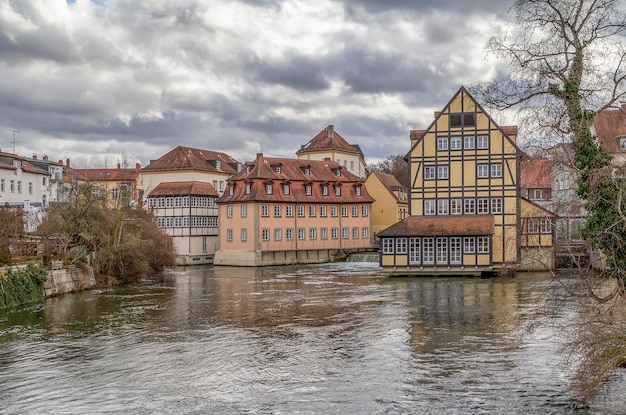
<point>319,339</point>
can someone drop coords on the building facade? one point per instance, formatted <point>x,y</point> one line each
<point>181,189</point>
<point>286,211</point>
<point>328,145</point>
<point>464,204</point>
<point>120,187</point>
<point>391,203</point>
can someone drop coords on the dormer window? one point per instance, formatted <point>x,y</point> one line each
<point>218,165</point>
<point>277,169</point>
<point>358,190</point>
<point>324,190</point>
<point>268,188</point>
<point>308,190</point>
<point>337,172</point>
<point>285,189</point>
<point>249,169</point>
<point>248,186</point>
<point>231,189</point>
<point>306,170</point>
<point>337,190</point>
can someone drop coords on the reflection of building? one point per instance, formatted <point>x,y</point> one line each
<point>465,210</point>
<point>390,200</point>
<point>281,211</point>
<point>182,188</point>
<point>330,146</point>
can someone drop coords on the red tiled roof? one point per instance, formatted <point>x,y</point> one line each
<point>416,134</point>
<point>329,139</point>
<point>441,225</point>
<point>102,175</point>
<point>509,129</point>
<point>609,125</point>
<point>188,158</point>
<point>279,171</point>
<point>536,173</point>
<point>388,180</point>
<point>183,188</point>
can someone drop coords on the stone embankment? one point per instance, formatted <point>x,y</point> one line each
<point>65,280</point>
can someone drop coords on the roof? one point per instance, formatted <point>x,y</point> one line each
<point>188,158</point>
<point>610,125</point>
<point>183,189</point>
<point>297,173</point>
<point>105,175</point>
<point>388,180</point>
<point>536,173</point>
<point>6,162</point>
<point>329,139</point>
<point>441,225</point>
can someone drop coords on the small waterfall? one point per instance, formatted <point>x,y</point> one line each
<point>363,257</point>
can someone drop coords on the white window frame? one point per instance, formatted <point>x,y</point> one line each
<point>496,170</point>
<point>482,171</point>
<point>430,207</point>
<point>482,142</point>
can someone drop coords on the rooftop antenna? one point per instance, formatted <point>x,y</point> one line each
<point>14,140</point>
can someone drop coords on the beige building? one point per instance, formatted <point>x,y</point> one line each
<point>119,186</point>
<point>390,200</point>
<point>285,211</point>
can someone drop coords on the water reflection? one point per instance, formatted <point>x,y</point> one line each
<point>331,338</point>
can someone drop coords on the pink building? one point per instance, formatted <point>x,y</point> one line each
<point>285,211</point>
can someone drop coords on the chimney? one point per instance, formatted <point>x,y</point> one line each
<point>67,163</point>
<point>437,114</point>
<point>259,155</point>
<point>61,162</point>
<point>34,156</point>
<point>45,157</point>
<point>119,166</point>
<point>137,166</point>
<point>331,131</point>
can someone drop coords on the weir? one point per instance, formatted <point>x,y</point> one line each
<point>363,257</point>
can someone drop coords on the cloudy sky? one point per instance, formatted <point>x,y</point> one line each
<point>99,81</point>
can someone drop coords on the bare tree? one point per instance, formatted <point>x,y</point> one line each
<point>566,62</point>
<point>396,165</point>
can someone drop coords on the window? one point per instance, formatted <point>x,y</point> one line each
<point>442,143</point>
<point>539,194</point>
<point>482,171</point>
<point>428,253</point>
<point>455,250</point>
<point>344,211</point>
<point>204,245</point>
<point>463,120</point>
<point>355,211</point>
<point>496,170</point>
<point>244,211</point>
<point>337,190</point>
<point>30,188</point>
<point>429,172</point>
<point>456,206</point>
<point>401,246</point>
<point>323,211</point>
<point>355,233</point>
<point>265,234</point>
<point>469,142</point>
<point>244,234</point>
<point>442,250</point>
<point>470,206</point>
<point>546,225</point>
<point>364,210</point>
<point>345,233</point>
<point>277,169</point>
<point>300,211</point>
<point>277,211</point>
<point>358,190</point>
<point>301,233</point>
<point>414,250</point>
<point>229,211</point>
<point>2,185</point>
<point>218,165</point>
<point>19,186</point>
<point>442,206</point>
<point>352,165</point>
<point>429,207</point>
<point>338,171</point>
<point>455,143</point>
<point>308,190</point>
<point>483,244</point>
<point>278,234</point>
<point>248,188</point>
<point>229,235</point>
<point>482,141</point>
<point>231,189</point>
<point>265,210</point>
<point>323,233</point>
<point>622,143</point>
<point>312,211</point>
<point>43,181</point>
<point>496,205</point>
<point>289,211</point>
<point>442,172</point>
<point>285,189</point>
<point>365,232</point>
<point>289,234</point>
<point>469,245</point>
<point>268,189</point>
<point>388,246</point>
<point>482,206</point>
<point>324,190</point>
<point>312,233</point>
<point>333,211</point>
<point>334,233</point>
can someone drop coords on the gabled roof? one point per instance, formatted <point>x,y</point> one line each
<point>610,125</point>
<point>183,189</point>
<point>105,175</point>
<point>391,184</point>
<point>536,173</point>
<point>188,158</point>
<point>329,139</point>
<point>464,225</point>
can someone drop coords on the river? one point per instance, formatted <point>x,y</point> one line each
<point>316,339</point>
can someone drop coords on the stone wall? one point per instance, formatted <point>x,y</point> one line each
<point>61,281</point>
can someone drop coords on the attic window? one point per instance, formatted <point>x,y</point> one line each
<point>306,170</point>
<point>218,165</point>
<point>463,119</point>
<point>231,189</point>
<point>338,172</point>
<point>277,169</point>
<point>358,190</point>
<point>249,169</point>
<point>308,190</point>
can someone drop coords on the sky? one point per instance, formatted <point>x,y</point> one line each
<point>101,82</point>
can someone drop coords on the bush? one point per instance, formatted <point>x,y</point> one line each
<point>25,286</point>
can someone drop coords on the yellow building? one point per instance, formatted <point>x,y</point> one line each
<point>464,205</point>
<point>390,200</point>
